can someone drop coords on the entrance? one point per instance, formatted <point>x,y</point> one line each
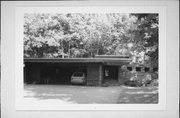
<point>111,75</point>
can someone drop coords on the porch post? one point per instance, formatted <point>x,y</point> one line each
<point>100,74</point>
<point>120,75</point>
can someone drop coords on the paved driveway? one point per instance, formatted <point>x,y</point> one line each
<point>91,95</point>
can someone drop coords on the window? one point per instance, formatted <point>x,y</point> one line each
<point>129,68</point>
<point>138,68</point>
<point>146,69</point>
<point>155,69</point>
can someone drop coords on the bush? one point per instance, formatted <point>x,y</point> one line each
<point>141,79</point>
<point>154,75</point>
<point>154,82</point>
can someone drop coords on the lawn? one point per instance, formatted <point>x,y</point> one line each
<point>69,94</point>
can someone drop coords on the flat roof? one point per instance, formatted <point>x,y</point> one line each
<point>111,56</point>
<point>78,60</point>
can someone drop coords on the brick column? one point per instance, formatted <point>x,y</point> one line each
<point>93,75</point>
<point>100,74</point>
<point>120,75</point>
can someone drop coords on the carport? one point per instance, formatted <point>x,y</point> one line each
<point>59,70</point>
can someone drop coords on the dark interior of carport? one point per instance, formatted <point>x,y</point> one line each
<point>51,73</point>
<point>59,71</point>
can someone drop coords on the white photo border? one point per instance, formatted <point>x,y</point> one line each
<point>20,102</point>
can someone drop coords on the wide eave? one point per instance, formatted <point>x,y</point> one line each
<point>108,61</point>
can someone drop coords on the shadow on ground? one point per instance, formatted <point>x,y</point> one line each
<point>139,95</point>
<point>92,95</point>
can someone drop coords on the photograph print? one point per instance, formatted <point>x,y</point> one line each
<point>91,58</point>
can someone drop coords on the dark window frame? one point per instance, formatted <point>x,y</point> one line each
<point>146,69</point>
<point>129,68</point>
<point>138,69</point>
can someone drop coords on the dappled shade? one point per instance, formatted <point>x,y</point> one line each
<point>91,95</point>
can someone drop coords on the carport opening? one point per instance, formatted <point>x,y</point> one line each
<point>60,74</point>
<point>56,75</point>
<point>51,73</point>
<point>110,74</point>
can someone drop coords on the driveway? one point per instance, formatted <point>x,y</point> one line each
<point>71,94</point>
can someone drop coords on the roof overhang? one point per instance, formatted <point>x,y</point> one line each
<point>106,61</point>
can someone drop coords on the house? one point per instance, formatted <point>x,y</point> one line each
<point>59,70</point>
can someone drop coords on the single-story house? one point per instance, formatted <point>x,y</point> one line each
<point>59,70</point>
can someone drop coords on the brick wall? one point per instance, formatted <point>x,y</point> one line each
<point>94,74</point>
<point>122,77</point>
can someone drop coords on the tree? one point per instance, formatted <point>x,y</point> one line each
<point>146,36</point>
<point>89,34</point>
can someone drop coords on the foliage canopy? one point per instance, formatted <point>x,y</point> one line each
<point>76,35</point>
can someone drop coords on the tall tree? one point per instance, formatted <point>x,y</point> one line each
<point>146,36</point>
<point>86,35</point>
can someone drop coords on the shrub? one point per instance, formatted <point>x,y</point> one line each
<point>138,79</point>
